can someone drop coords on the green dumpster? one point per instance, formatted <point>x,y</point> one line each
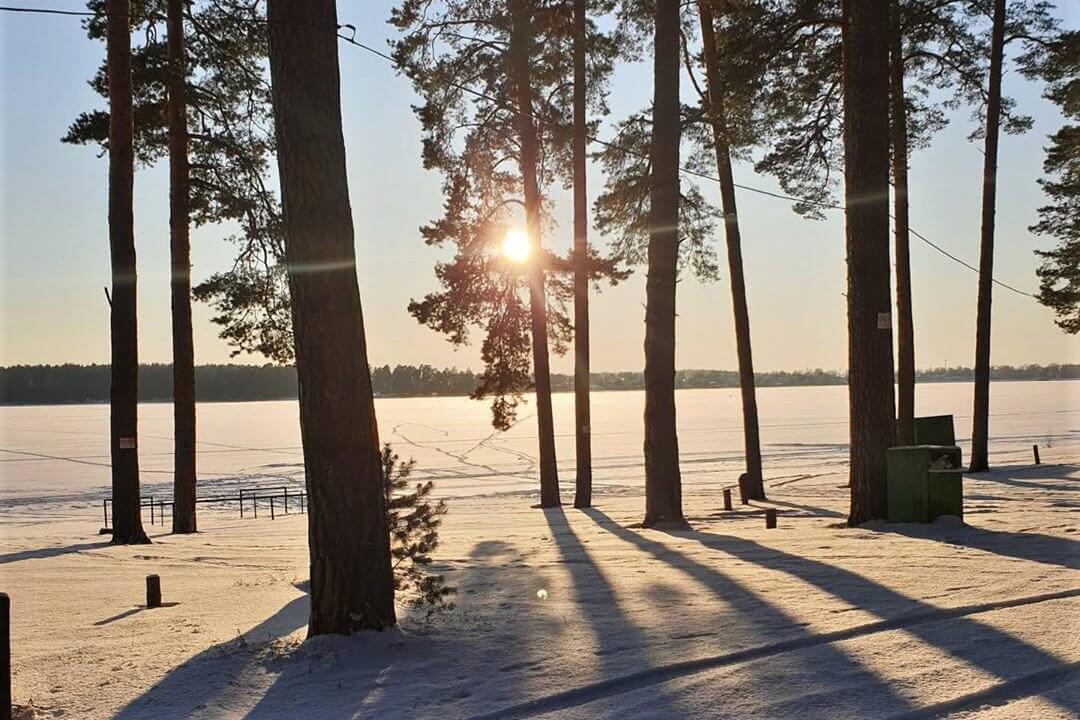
<point>934,430</point>
<point>924,482</point>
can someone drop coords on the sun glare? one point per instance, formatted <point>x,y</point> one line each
<point>515,246</point>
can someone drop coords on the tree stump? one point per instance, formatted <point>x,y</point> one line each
<point>744,489</point>
<point>770,518</point>
<point>727,499</point>
<point>153,591</point>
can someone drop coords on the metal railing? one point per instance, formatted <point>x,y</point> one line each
<point>279,500</point>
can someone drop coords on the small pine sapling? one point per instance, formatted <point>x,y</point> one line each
<point>413,518</point>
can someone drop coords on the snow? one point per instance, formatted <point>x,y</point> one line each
<point>565,613</point>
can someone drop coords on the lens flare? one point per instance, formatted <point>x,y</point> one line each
<point>515,246</point>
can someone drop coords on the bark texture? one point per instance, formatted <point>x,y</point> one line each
<point>352,584</point>
<point>980,425</point>
<point>183,519</point>
<point>582,421</point>
<point>123,394</point>
<point>663,485</point>
<point>714,83</point>
<point>866,182</point>
<point>521,39</point>
<point>905,328</point>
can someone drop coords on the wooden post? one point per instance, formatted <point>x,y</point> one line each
<point>241,503</point>
<point>770,518</point>
<point>744,489</point>
<point>151,510</point>
<point>727,499</point>
<point>153,591</point>
<point>1035,449</point>
<point>255,504</point>
<point>105,510</point>
<point>271,507</point>
<point>5,656</point>
<point>286,500</point>
<point>302,496</point>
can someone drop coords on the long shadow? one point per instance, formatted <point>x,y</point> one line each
<point>128,613</point>
<point>982,646</point>
<point>185,691</point>
<point>42,553</point>
<point>1036,547</point>
<point>621,646</point>
<point>875,697</point>
<point>808,510</point>
<point>1031,477</point>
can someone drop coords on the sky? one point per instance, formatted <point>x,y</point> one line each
<point>54,260</point>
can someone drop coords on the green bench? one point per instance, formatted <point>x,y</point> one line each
<point>924,482</point>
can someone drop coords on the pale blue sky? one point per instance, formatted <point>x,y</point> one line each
<point>54,244</point>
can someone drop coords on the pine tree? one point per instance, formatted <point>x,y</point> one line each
<point>497,90</point>
<point>582,411</point>
<point>663,485</point>
<point>1059,272</point>
<point>413,518</point>
<point>352,585</point>
<point>866,189</point>
<point>183,511</point>
<point>1029,22</point>
<point>123,397</point>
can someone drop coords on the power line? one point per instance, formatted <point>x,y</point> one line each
<point>351,39</point>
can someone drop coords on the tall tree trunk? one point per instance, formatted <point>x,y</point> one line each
<point>183,520</point>
<point>981,421</point>
<point>751,436</point>
<point>352,583</point>
<point>905,331</point>
<point>124,392</point>
<point>866,183</point>
<point>521,39</point>
<point>663,485</point>
<point>583,489</point>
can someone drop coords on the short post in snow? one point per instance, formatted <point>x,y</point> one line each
<point>727,499</point>
<point>286,500</point>
<point>105,510</point>
<point>770,518</point>
<point>1035,449</point>
<point>744,489</point>
<point>5,656</point>
<point>153,591</point>
<point>271,507</point>
<point>241,503</point>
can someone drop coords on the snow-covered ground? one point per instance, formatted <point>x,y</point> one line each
<point>565,613</point>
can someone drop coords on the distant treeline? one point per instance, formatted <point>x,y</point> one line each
<point>49,384</point>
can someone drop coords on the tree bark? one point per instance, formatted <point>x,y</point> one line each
<point>981,421</point>
<point>123,395</point>
<point>905,331</point>
<point>183,519</point>
<point>521,39</point>
<point>663,485</point>
<point>583,484</point>
<point>714,85</point>
<point>866,182</point>
<point>352,584</point>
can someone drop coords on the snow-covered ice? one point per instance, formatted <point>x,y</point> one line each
<point>566,613</point>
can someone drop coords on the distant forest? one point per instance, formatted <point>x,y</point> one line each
<point>49,384</point>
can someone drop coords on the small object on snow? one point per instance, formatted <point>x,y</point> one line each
<point>542,594</point>
<point>1035,449</point>
<point>770,518</point>
<point>744,489</point>
<point>153,591</point>
<point>5,654</point>
<point>727,499</point>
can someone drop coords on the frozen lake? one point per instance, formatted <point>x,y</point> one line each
<point>56,458</point>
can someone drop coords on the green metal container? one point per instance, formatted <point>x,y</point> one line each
<point>934,430</point>
<point>924,482</point>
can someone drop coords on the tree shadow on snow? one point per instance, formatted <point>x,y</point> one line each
<point>55,551</point>
<point>977,644</point>
<point>184,692</point>
<point>1035,547</point>
<point>1031,477</point>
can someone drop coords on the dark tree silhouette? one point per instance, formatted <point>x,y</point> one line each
<point>183,520</point>
<point>663,485</point>
<point>352,584</point>
<point>1059,273</point>
<point>715,112</point>
<point>123,398</point>
<point>582,413</point>
<point>866,189</point>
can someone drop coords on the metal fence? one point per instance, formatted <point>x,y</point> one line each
<point>279,500</point>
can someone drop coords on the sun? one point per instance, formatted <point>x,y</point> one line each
<point>515,246</point>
